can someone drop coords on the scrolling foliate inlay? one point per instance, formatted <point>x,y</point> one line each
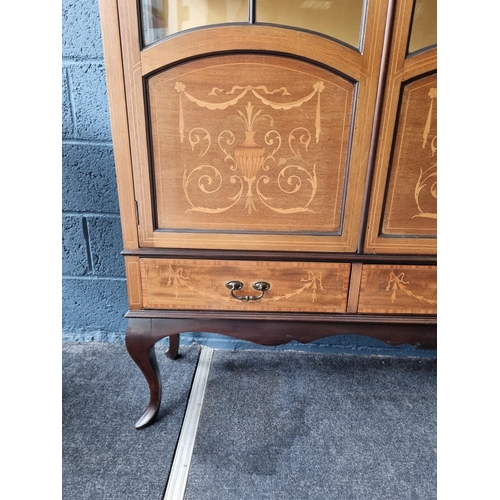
<point>411,207</point>
<point>428,177</point>
<point>249,162</point>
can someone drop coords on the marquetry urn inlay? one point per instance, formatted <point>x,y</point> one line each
<point>249,144</point>
<point>250,161</point>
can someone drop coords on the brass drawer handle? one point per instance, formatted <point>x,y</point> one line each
<point>261,286</point>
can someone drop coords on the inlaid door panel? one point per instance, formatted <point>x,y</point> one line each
<point>252,136</point>
<point>403,206</point>
<point>250,144</point>
<point>201,284</point>
<point>411,204</point>
<point>398,290</point>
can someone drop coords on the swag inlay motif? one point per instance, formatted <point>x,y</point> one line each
<point>177,279</point>
<point>258,160</point>
<point>398,284</point>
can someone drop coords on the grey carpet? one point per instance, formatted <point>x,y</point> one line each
<point>104,457</point>
<point>288,425</point>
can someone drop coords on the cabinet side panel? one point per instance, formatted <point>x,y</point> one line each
<point>134,286</point>
<point>119,120</point>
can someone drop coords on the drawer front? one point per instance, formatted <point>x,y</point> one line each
<point>201,284</point>
<point>398,289</point>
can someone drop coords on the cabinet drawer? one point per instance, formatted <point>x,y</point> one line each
<point>398,289</point>
<point>201,284</point>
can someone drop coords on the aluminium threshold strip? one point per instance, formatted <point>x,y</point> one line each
<point>177,480</point>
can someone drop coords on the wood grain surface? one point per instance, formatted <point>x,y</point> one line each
<point>398,290</point>
<point>201,284</point>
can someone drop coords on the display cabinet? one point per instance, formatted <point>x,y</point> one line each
<point>276,169</point>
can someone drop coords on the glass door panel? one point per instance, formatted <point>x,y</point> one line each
<point>161,18</point>
<point>424,25</point>
<point>340,19</point>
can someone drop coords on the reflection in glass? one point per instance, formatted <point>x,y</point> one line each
<point>163,17</point>
<point>424,25</point>
<point>340,19</point>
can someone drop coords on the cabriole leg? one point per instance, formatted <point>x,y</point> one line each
<point>173,347</point>
<point>140,345</point>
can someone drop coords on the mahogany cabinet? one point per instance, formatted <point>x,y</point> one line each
<point>276,168</point>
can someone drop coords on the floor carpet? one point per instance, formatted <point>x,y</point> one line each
<point>288,425</point>
<point>104,457</point>
<point>274,425</point>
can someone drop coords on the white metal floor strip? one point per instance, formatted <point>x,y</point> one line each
<point>182,459</point>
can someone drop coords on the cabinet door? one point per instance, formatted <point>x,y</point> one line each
<point>249,135</point>
<point>403,209</point>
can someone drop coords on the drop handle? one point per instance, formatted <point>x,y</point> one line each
<point>261,286</point>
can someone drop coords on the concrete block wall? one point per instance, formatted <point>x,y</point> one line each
<point>94,296</point>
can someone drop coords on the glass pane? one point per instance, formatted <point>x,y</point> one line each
<point>424,25</point>
<point>340,19</point>
<point>163,17</point>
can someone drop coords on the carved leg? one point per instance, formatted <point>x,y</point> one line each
<point>140,345</point>
<point>173,347</point>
